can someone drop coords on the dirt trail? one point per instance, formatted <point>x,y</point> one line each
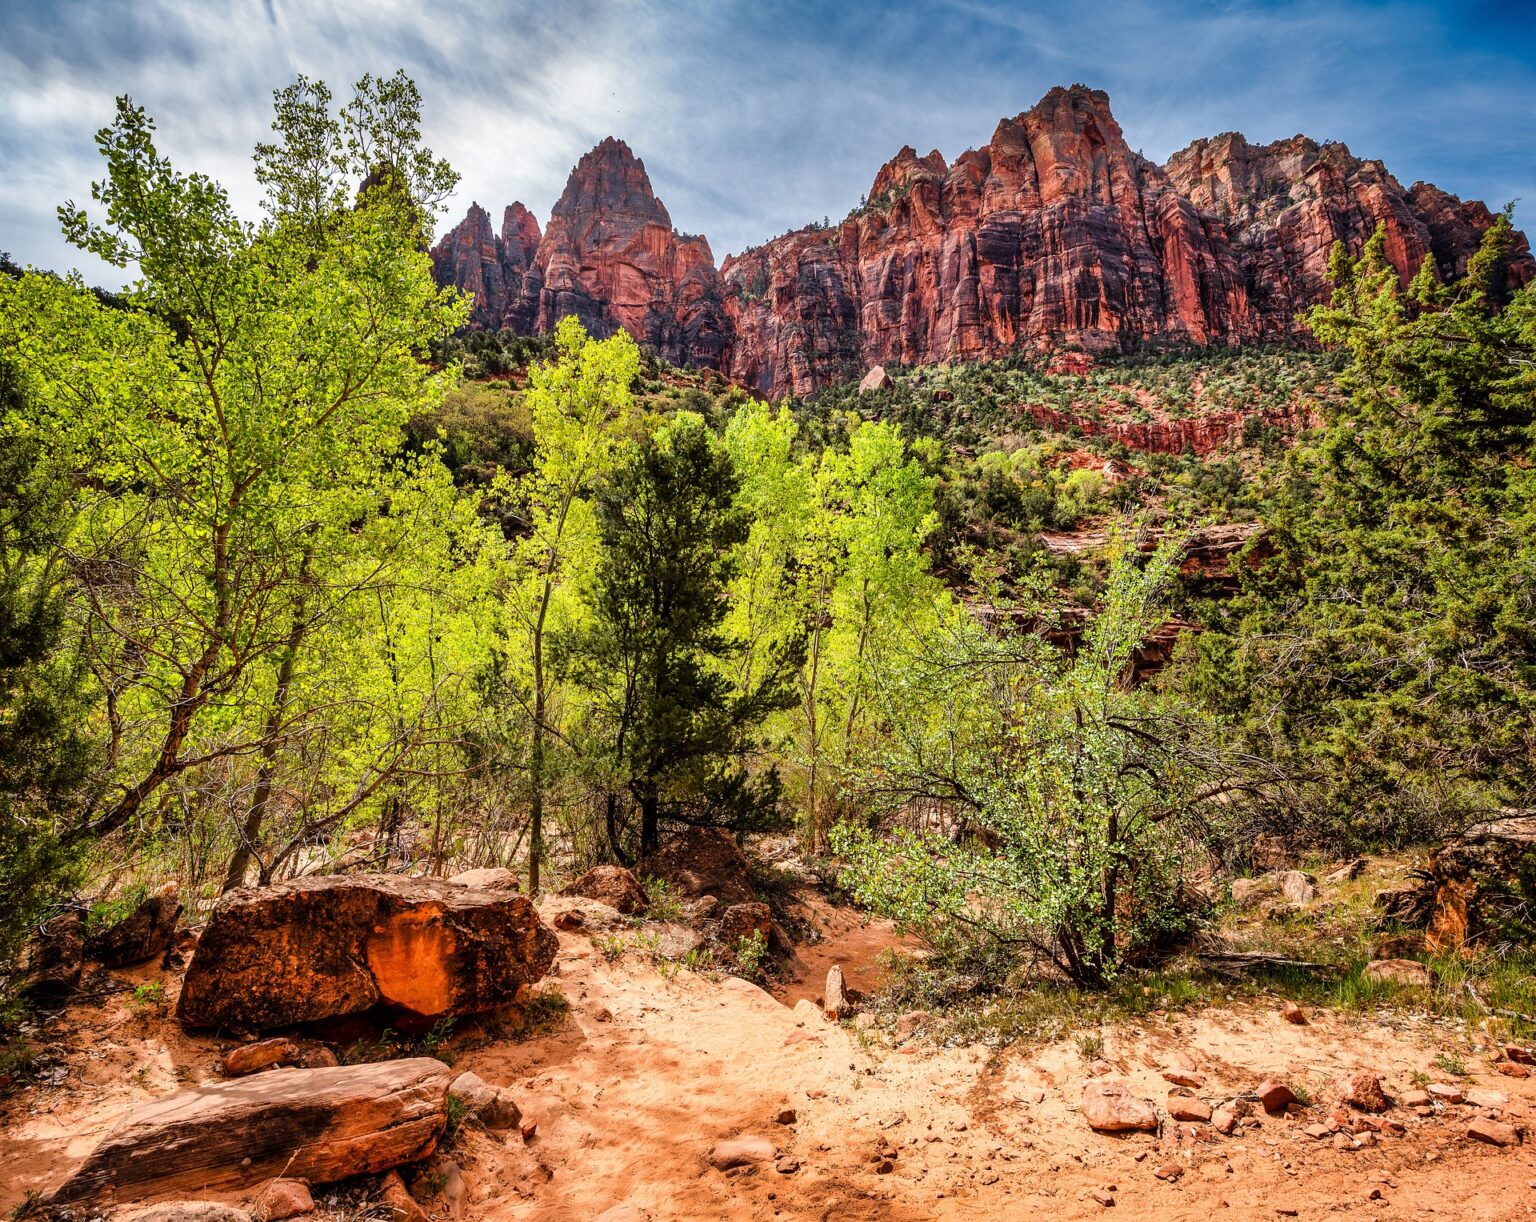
<point>849,939</point>
<point>651,1069</point>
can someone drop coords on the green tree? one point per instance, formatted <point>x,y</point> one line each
<point>1068,800</point>
<point>44,759</point>
<point>574,399</point>
<point>239,423</point>
<point>656,657</point>
<point>1386,647</point>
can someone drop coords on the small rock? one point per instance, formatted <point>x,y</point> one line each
<point>740,1152</point>
<point>285,1199</point>
<point>1362,1091</point>
<point>1445,1093</point>
<point>1180,1069</point>
<point>1169,1172</point>
<point>835,998</point>
<point>263,1054</point>
<point>1297,887</point>
<point>487,878</point>
<point>786,1116</point>
<point>1347,873</point>
<point>1097,1069</point>
<point>492,1106</point>
<point>742,922</point>
<point>1292,1013</point>
<point>1248,893</point>
<point>1109,1107</point>
<point>1224,1120</point>
<point>396,1202</point>
<point>571,918</point>
<point>787,1166</point>
<point>1184,1106</point>
<point>1479,1096</point>
<point>1405,972</point>
<point>1317,1131</point>
<point>807,1011</point>
<point>602,1015</point>
<point>1493,1132</point>
<point>911,1021</point>
<point>1521,1056</point>
<point>1274,1095</point>
<point>1105,1199</point>
<point>1416,1098</point>
<point>1512,1069</point>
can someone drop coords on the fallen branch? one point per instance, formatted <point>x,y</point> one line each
<point>1241,962</point>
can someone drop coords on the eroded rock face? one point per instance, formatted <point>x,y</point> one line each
<point>1053,233</point>
<point>1285,204</point>
<point>320,947</point>
<point>609,256</point>
<point>315,1125</point>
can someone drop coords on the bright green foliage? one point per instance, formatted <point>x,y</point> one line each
<point>43,758</point>
<point>1065,803</point>
<point>1387,648</point>
<point>574,400</point>
<point>244,518</point>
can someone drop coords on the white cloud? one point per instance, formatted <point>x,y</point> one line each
<point>751,118</point>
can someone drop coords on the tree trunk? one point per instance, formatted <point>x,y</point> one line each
<point>650,829</point>
<point>536,804</point>
<point>250,830</point>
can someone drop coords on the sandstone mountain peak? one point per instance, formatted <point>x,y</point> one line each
<point>1053,233</point>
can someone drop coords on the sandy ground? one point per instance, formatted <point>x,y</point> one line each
<point>650,1070</point>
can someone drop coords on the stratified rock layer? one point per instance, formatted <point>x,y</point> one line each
<point>318,948</point>
<point>316,1125</point>
<point>1053,233</point>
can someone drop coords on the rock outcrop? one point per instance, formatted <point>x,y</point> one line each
<point>611,885</point>
<point>145,932</point>
<point>1053,233</point>
<point>321,947</point>
<point>315,1125</point>
<point>609,256</point>
<point>699,861</point>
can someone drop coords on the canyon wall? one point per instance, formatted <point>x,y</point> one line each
<point>1053,233</point>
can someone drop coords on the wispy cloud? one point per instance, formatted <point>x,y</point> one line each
<point>755,118</point>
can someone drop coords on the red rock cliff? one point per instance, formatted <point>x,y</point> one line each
<point>1053,233</point>
<point>610,256</point>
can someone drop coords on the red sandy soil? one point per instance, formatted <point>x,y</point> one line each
<point>650,1069</point>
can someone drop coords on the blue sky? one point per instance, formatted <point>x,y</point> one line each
<point>752,117</point>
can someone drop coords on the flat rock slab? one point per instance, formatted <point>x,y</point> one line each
<point>318,948</point>
<point>315,1125</point>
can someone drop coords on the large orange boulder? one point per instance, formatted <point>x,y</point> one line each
<point>315,1125</point>
<point>317,948</point>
